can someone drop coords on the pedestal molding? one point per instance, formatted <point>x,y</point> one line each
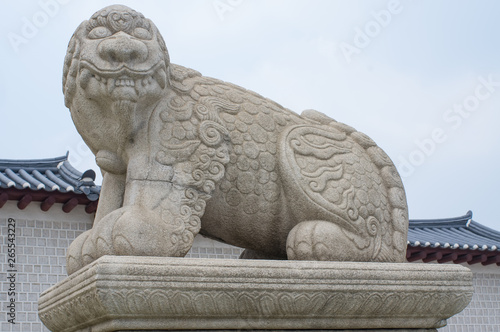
<point>118,292</point>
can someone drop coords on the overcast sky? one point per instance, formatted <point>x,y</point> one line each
<point>421,78</point>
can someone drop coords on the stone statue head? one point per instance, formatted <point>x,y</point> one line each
<point>117,55</point>
<point>116,63</point>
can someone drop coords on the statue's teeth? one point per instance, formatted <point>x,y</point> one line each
<point>124,82</point>
<point>161,77</point>
<point>111,85</point>
<point>146,80</point>
<point>85,76</point>
<point>137,86</point>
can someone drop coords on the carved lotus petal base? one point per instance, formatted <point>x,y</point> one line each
<point>118,293</point>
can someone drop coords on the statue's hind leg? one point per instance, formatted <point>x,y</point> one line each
<point>344,195</point>
<point>324,241</point>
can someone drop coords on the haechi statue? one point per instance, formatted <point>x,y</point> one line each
<point>183,154</point>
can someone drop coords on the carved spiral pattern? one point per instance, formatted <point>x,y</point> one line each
<point>120,21</point>
<point>212,133</point>
<point>201,111</point>
<point>186,220</point>
<point>192,131</point>
<point>340,174</point>
<point>343,170</point>
<point>372,226</point>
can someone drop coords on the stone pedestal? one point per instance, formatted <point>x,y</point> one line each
<point>120,293</point>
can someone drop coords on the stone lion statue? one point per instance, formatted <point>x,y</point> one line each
<point>183,154</point>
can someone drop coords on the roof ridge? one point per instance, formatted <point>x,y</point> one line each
<point>49,174</point>
<point>454,222</point>
<point>16,164</point>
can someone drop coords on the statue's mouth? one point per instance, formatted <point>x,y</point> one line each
<point>123,82</point>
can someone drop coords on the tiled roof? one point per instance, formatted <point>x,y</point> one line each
<point>457,233</point>
<point>459,239</point>
<point>39,179</point>
<point>46,174</point>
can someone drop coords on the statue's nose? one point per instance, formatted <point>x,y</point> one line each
<point>121,47</point>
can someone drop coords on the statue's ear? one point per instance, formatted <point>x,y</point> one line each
<point>70,69</point>
<point>161,42</point>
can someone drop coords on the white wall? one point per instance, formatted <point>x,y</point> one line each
<point>41,241</point>
<point>483,313</point>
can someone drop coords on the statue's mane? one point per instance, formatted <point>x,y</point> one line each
<point>183,80</point>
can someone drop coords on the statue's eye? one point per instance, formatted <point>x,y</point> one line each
<point>141,33</point>
<point>99,32</point>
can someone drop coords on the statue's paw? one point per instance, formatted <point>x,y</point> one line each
<point>322,241</point>
<point>139,232</point>
<point>102,237</point>
<point>74,257</point>
<point>92,244</point>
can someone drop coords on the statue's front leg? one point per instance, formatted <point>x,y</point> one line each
<point>157,218</point>
<point>110,199</point>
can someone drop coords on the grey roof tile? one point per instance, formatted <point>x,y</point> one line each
<point>455,233</point>
<point>52,174</point>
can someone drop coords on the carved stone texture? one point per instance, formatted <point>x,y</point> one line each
<point>157,293</point>
<point>182,153</point>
